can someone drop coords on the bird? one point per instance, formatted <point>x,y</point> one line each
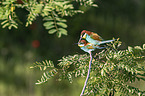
<point>88,42</point>
<point>94,38</point>
<point>88,47</point>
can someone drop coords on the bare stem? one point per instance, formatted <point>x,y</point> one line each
<point>54,21</point>
<point>85,84</point>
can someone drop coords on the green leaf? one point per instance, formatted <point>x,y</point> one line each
<point>62,31</point>
<point>102,72</point>
<point>69,76</point>
<point>5,25</point>
<point>58,34</point>
<point>42,66</point>
<point>15,26</point>
<point>48,18</point>
<point>6,3</point>
<point>138,47</point>
<point>52,31</point>
<point>4,22</point>
<point>60,19</point>
<point>38,8</point>
<point>94,5</point>
<point>10,27</point>
<point>130,49</point>
<point>49,27</point>
<point>47,75</point>
<point>143,46</point>
<point>48,23</point>
<point>62,24</point>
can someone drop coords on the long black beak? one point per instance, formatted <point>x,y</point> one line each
<point>80,38</point>
<point>78,41</point>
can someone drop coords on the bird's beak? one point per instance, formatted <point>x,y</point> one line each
<point>80,39</point>
<point>80,45</point>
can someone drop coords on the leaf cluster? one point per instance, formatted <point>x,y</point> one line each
<point>49,73</point>
<point>52,12</point>
<point>113,71</point>
<point>7,14</point>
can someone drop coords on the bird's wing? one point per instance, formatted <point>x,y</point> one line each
<point>95,36</point>
<point>89,46</point>
<point>100,47</point>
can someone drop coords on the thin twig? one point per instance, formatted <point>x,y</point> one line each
<point>85,84</point>
<point>55,22</point>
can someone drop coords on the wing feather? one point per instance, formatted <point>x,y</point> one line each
<point>90,47</point>
<point>95,36</point>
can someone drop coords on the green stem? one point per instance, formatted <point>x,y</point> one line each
<point>89,70</point>
<point>54,21</point>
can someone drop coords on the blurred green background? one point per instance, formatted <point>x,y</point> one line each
<point>19,48</point>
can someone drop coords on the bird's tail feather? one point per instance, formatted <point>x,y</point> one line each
<point>107,41</point>
<point>104,44</point>
<point>100,47</point>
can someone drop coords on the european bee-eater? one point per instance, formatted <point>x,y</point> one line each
<point>88,42</point>
<point>88,47</point>
<point>93,38</point>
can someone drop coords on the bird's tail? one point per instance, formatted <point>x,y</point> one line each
<point>100,46</point>
<point>107,44</point>
<point>107,41</point>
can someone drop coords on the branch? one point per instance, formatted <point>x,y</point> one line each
<point>85,84</point>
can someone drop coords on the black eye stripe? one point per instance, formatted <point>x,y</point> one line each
<point>83,34</point>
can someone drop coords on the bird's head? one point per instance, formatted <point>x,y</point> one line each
<point>82,43</point>
<point>84,33</point>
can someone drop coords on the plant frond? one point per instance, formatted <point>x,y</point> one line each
<point>112,70</point>
<point>47,75</point>
<point>43,65</point>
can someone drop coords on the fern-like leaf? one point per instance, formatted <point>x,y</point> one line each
<point>43,65</point>
<point>55,24</point>
<point>8,15</point>
<point>87,3</point>
<point>47,75</point>
<point>111,71</point>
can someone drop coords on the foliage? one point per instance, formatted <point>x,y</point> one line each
<point>7,14</point>
<point>112,70</point>
<point>52,12</point>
